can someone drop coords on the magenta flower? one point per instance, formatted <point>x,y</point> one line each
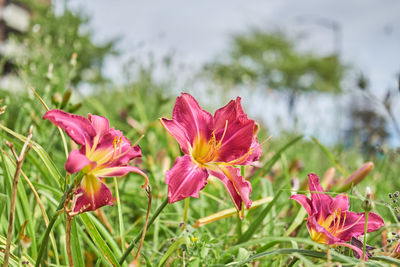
<point>212,145</point>
<point>330,222</point>
<point>104,152</point>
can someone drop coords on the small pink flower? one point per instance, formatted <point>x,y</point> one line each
<point>212,145</point>
<point>104,152</point>
<point>330,222</point>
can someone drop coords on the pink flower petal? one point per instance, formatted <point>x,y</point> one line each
<point>355,248</point>
<point>77,127</point>
<point>99,123</point>
<point>339,202</point>
<point>313,184</point>
<point>304,201</point>
<point>355,222</point>
<point>248,158</point>
<point>124,150</point>
<point>128,153</point>
<point>178,132</point>
<point>120,171</point>
<point>76,161</point>
<point>328,238</point>
<point>242,186</point>
<point>237,130</point>
<point>185,179</point>
<point>118,147</point>
<point>109,137</point>
<point>230,112</point>
<point>256,149</point>
<point>237,140</point>
<point>194,120</point>
<point>320,201</point>
<point>92,194</point>
<point>235,197</point>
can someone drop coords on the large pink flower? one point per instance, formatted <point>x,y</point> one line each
<point>329,221</point>
<point>104,152</point>
<point>212,145</point>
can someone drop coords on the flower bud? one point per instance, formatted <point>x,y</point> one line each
<point>25,242</point>
<point>367,205</point>
<point>357,176</point>
<point>65,99</point>
<point>56,99</point>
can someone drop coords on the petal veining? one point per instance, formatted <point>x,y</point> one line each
<point>185,179</point>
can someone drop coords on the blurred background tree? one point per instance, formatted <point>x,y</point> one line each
<point>54,55</point>
<point>370,118</point>
<point>367,128</point>
<point>273,60</point>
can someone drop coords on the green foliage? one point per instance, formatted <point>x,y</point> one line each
<point>273,234</point>
<point>56,55</point>
<point>55,40</point>
<point>272,60</point>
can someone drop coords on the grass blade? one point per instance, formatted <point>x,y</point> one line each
<point>307,253</point>
<point>3,201</point>
<point>296,222</point>
<point>387,259</point>
<point>120,219</point>
<point>180,241</point>
<point>76,246</point>
<point>98,239</point>
<point>330,156</point>
<point>52,171</point>
<point>258,221</point>
<point>106,235</point>
<point>24,212</point>
<point>270,163</point>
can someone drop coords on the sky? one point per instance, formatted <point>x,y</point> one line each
<point>368,37</point>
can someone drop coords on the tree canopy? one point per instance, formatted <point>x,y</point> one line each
<point>274,60</point>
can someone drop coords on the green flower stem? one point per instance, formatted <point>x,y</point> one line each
<point>152,219</point>
<point>238,225</point>
<point>51,224</point>
<point>238,218</point>
<point>365,234</point>
<point>185,212</point>
<point>120,219</point>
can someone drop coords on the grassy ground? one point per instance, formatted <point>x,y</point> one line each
<point>274,233</point>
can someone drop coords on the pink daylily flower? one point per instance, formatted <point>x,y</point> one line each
<point>212,145</point>
<point>104,152</point>
<point>329,220</point>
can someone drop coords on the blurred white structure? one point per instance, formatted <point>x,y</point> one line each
<point>15,17</point>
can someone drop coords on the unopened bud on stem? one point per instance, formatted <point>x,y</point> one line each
<point>367,204</point>
<point>357,176</point>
